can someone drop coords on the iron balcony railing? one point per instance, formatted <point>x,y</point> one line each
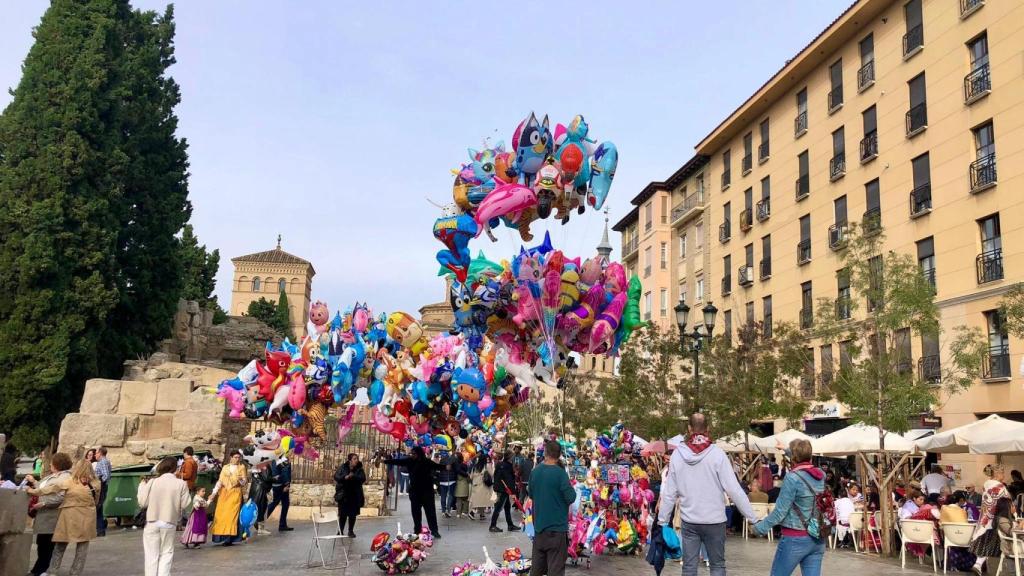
<point>766,268</point>
<point>803,251</point>
<point>687,206</point>
<point>917,119</point>
<point>983,172</point>
<point>746,219</point>
<point>929,368</point>
<point>837,166</point>
<point>630,247</point>
<point>726,179</point>
<point>871,222</point>
<point>843,308</point>
<point>968,6</point>
<point>904,365</point>
<point>997,363</point>
<point>869,146</point>
<point>748,163</point>
<point>726,285</point>
<point>921,199</point>
<point>837,235</point>
<point>866,75</point>
<point>724,232</point>
<point>762,151</point>
<point>835,98</point>
<point>745,275</point>
<point>764,209</point>
<point>929,276</point>
<point>977,83</point>
<point>989,266</point>
<point>803,187</point>
<point>913,39</point>
<point>806,318</point>
<point>800,123</point>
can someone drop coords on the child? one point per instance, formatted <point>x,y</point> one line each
<point>195,530</point>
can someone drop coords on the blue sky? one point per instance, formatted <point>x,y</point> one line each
<point>331,123</point>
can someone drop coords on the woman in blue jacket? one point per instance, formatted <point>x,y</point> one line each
<point>799,488</point>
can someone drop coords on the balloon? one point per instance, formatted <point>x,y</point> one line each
<point>631,314</point>
<point>532,143</point>
<point>454,231</point>
<point>507,199</point>
<point>602,171</point>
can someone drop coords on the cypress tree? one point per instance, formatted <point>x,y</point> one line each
<point>282,317</point>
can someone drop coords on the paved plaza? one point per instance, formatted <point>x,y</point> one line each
<point>120,552</point>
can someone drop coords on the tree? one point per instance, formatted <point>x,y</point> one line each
<point>200,273</point>
<point>1011,308</point>
<point>752,379</point>
<point>282,317</point>
<point>269,312</point>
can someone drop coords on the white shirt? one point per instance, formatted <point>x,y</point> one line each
<point>934,483</point>
<point>908,509</point>
<point>844,507</point>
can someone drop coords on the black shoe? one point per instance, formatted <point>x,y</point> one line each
<point>514,528</point>
<point>285,529</point>
<point>436,535</point>
<point>351,534</point>
<point>496,529</point>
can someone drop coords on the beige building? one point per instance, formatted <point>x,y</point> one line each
<point>646,251</point>
<point>899,114</point>
<point>266,275</point>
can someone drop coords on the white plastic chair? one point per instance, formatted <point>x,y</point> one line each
<point>1018,548</point>
<point>955,535</point>
<point>856,527</point>
<point>761,510</point>
<point>917,532</point>
<point>330,523</point>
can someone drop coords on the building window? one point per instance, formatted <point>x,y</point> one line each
<point>725,229</point>
<point>843,301</point>
<point>647,306</point>
<point>726,274</point>
<point>866,74</point>
<point>978,82</point>
<point>806,305</point>
<point>726,169</point>
<point>748,152</point>
<point>913,40</point>
<point>648,216</point>
<point>664,302</point>
<point>803,182</point>
<point>282,284</point>
<point>826,364</point>
<point>800,122</point>
<point>256,284</point>
<point>698,233</point>
<point>837,164</point>
<point>748,310</point>
<point>683,292</point>
<point>647,261</point>
<point>998,362</point>
<point>983,169</point>
<point>930,364</point>
<point>727,326</point>
<point>835,95</point>
<point>990,262</point>
<point>904,355</point>
<point>682,246</point>
<point>876,288</point>
<point>872,220</point>
<point>698,182</point>
<point>664,255</point>
<point>766,257</point>
<point>917,116</point>
<point>764,149</point>
<point>664,209</point>
<point>764,205</point>
<point>803,248</point>
<point>766,314</point>
<point>869,144</point>
<point>921,194</point>
<point>698,291</point>
<point>837,231</point>
<point>807,385</point>
<point>747,215</point>
<point>926,259</point>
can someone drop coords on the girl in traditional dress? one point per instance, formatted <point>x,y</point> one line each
<point>228,493</point>
<point>986,540</point>
<point>195,531</point>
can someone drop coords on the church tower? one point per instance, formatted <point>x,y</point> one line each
<point>266,275</point>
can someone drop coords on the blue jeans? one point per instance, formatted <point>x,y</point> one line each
<point>801,551</point>
<point>711,538</point>
<point>447,497</point>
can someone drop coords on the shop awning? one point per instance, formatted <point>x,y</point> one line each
<point>962,438</point>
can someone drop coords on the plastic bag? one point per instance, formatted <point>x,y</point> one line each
<point>673,548</point>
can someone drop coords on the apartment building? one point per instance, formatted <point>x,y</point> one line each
<point>646,251</point>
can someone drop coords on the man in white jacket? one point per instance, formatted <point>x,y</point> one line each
<point>699,476</point>
<point>165,499</point>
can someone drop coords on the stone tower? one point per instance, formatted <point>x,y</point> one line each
<point>267,274</point>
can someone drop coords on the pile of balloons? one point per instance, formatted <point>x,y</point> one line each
<point>402,554</point>
<point>544,172</point>
<point>512,564</point>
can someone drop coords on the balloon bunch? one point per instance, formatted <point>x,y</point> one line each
<point>402,554</point>
<point>489,568</point>
<point>268,446</point>
<point>564,171</point>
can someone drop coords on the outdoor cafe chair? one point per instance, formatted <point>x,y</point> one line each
<point>955,535</point>
<point>326,528</point>
<point>1016,540</point>
<point>761,510</point>
<point>920,532</point>
<point>856,527</point>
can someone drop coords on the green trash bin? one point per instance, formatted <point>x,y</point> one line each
<point>123,489</point>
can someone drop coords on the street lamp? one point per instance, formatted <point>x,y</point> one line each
<point>694,341</point>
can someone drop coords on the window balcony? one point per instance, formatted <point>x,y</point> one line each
<point>746,219</point>
<point>747,164</point>
<point>843,308</point>
<point>968,7</point>
<point>835,99</point>
<point>917,120</point>
<point>764,209</point>
<point>866,76</point>
<point>746,275</point>
<point>690,206</point>
<point>762,152</point>
<point>983,173</point>
<point>921,200</point>
<point>989,266</point>
<point>726,285</point>
<point>996,365</point>
<point>869,147</point>
<point>724,232</point>
<point>837,167</point>
<point>977,84</point>
<point>630,248</point>
<point>871,222</point>
<point>929,369</point>
<point>726,179</point>
<point>929,276</point>
<point>806,318</point>
<point>837,236</point>
<point>803,187</point>
<point>803,251</point>
<point>913,41</point>
<point>766,268</point>
<point>800,124</point>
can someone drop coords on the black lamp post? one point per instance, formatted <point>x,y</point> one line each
<point>694,341</point>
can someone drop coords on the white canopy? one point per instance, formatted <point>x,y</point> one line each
<point>734,442</point>
<point>1000,441</point>
<point>768,444</point>
<point>962,438</point>
<point>858,438</point>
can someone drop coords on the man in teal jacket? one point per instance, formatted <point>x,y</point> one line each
<point>552,494</point>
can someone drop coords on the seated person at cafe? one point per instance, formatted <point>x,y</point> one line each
<point>914,502</point>
<point>756,494</point>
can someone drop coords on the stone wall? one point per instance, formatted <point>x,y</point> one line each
<point>195,339</point>
<point>15,540</point>
<point>322,495</point>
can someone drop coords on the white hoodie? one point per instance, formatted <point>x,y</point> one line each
<point>697,482</point>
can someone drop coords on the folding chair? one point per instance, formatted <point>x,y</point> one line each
<point>856,527</point>
<point>955,535</point>
<point>920,532</point>
<point>330,522</point>
<point>875,527</point>
<point>1018,551</point>
<point>761,510</point>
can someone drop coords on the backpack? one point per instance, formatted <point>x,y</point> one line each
<point>488,479</point>
<point>823,514</point>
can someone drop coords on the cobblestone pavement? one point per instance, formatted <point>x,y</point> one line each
<point>120,552</point>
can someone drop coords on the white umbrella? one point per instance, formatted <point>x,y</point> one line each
<point>958,440</point>
<point>858,438</point>
<point>734,442</point>
<point>999,442</point>
<point>768,444</point>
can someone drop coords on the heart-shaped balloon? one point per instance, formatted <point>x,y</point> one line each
<point>403,407</point>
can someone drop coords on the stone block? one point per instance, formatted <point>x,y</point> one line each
<point>153,427</point>
<point>196,426</point>
<point>136,447</point>
<point>92,430</point>
<point>123,457</point>
<point>13,504</point>
<point>157,448</point>
<point>101,396</point>
<point>137,397</point>
<point>131,425</point>
<point>173,393</point>
<point>155,374</point>
<point>14,553</point>
<point>205,400</point>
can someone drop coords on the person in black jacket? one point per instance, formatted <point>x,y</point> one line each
<point>348,491</point>
<point>504,486</point>
<point>259,491</point>
<point>281,475</point>
<point>421,488</point>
